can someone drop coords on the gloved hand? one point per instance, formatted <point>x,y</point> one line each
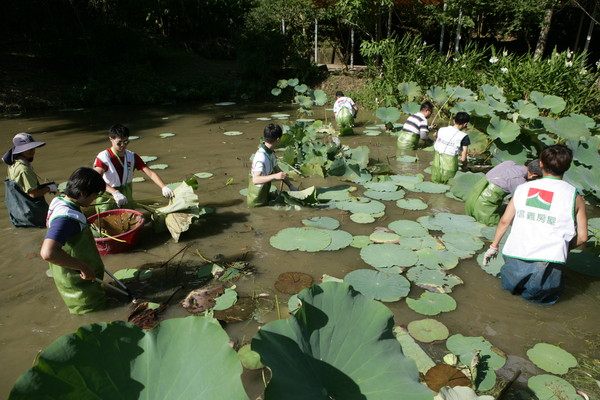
<point>490,254</point>
<point>167,193</point>
<point>120,198</point>
<point>293,188</point>
<point>53,188</point>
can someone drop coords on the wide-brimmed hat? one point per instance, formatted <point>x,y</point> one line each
<point>21,143</point>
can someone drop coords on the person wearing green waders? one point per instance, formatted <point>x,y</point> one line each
<point>345,111</point>
<point>264,168</point>
<point>69,244</point>
<point>450,145</point>
<point>116,165</point>
<point>416,127</point>
<point>486,196</point>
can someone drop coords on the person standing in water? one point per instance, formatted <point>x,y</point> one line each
<point>416,127</point>
<point>345,111</point>
<point>450,145</point>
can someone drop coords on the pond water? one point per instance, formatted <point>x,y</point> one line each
<point>32,315</point>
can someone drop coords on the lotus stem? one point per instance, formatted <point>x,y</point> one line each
<point>277,304</point>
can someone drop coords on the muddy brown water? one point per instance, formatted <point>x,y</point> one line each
<point>32,315</point>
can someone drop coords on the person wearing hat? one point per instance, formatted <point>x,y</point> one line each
<point>24,194</point>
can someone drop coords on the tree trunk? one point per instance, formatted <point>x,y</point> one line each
<point>316,42</point>
<point>457,40</point>
<point>389,23</point>
<point>543,38</point>
<point>588,39</point>
<point>352,48</point>
<point>443,31</point>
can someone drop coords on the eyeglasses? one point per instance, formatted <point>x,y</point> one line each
<point>122,143</point>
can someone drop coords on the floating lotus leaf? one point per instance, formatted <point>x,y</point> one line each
<point>280,116</point>
<point>339,240</point>
<point>362,218</point>
<point>226,300</point>
<point>293,282</point>
<point>323,353</point>
<point>430,303</point>
<point>493,268</point>
<point>166,135</point>
<point>301,88</point>
<point>434,280</point>
<point>203,175</point>
<point>388,114</point>
<point>584,262</point>
<point>447,222</point>
<point>412,204</point>
<point>360,241</point>
<point>359,155</point>
<point>133,273</point>
<point>233,133</point>
<point>504,130</point>
<point>384,237</point>
<point>304,239</point>
<point>305,120</point>
<point>408,228</point>
<point>378,285</point>
<point>158,166</point>
<point>551,358</point>
<point>293,82</point>
<point>264,118</point>
<point>372,133</point>
<point>421,242</point>
<point>430,187</point>
<point>460,253</point>
<point>550,387</point>
<point>428,330</point>
<point>137,179</point>
<point>202,299</point>
<point>250,359</point>
<point>225,103</point>
<point>386,186</point>
<point>437,259</point>
<point>358,206</point>
<point>462,241</point>
<point>386,196</point>
<point>553,103</point>
<point>459,393</point>
<point>407,159</point>
<point>462,183</point>
<point>322,222</point>
<point>407,180</point>
<point>388,255</point>
<point>488,232</point>
<point>133,138</point>
<point>446,376</point>
<point>411,349</point>
<point>148,159</point>
<point>410,90</point>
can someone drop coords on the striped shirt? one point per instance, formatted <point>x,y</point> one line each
<point>417,124</point>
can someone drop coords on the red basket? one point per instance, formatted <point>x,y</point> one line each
<point>108,245</point>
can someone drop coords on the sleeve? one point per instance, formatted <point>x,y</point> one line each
<point>424,127</point>
<point>465,141</point>
<point>139,163</point>
<point>62,228</point>
<point>27,179</point>
<point>100,164</point>
<point>258,164</point>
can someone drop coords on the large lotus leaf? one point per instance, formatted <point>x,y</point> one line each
<point>465,348</point>
<point>526,110</point>
<point>293,82</point>
<point>407,180</point>
<point>479,141</point>
<point>434,280</point>
<point>339,240</point>
<point>422,242</point>
<point>300,88</point>
<point>378,285</point>
<point>493,91</point>
<point>567,128</point>
<point>430,303</point>
<point>411,108</point>
<point>385,186</point>
<point>385,196</point>
<point>412,204</point>
<point>410,90</point>
<point>304,101</point>
<point>309,169</point>
<point>551,358</point>
<point>504,130</point>
<point>369,207</point>
<point>550,387</point>
<point>411,349</point>
<point>583,178</point>
<point>320,97</point>
<point>384,237</point>
<point>586,152</point>
<point>448,222</point>
<point>184,199</point>
<point>428,330</point>
<point>462,183</point>
<point>322,222</point>
<point>589,122</point>
<point>363,218</point>
<point>514,151</point>
<point>437,94</point>
<point>430,187</point>
<point>493,268</point>
<point>360,241</point>
<point>408,228</point>
<point>462,240</point>
<point>440,259</point>
<point>337,193</point>
<point>459,92</point>
<point>475,108</point>
<point>388,114</point>
<point>553,103</point>
<point>179,222</point>
<point>498,106</point>
<point>388,255</point>
<point>119,360</point>
<point>359,155</point>
<point>322,353</point>
<point>304,239</point>
<point>459,393</point>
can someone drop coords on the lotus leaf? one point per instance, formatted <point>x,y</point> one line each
<point>526,110</point>
<point>504,130</point>
<point>133,138</point>
<point>408,228</point>
<point>553,103</point>
<point>388,255</point>
<point>430,303</point>
<point>437,94</point>
<point>428,330</point>
<point>304,101</point>
<point>185,199</point>
<point>498,106</point>
<point>304,197</point>
<point>446,376</point>
<point>551,358</point>
<point>137,179</point>
<point>493,268</point>
<point>421,242</point>
<point>434,280</point>
<point>447,222</point>
<point>179,222</point>
<point>305,120</point>
<point>586,151</point>
<point>437,259</point>
<point>119,360</point>
<point>166,135</point>
<point>378,285</point>
<point>430,187</point>
<point>280,116</point>
<point>336,193</point>
<point>459,92</point>
<point>462,183</point>
<point>459,393</point>
<point>372,133</point>
<point>249,358</point>
<point>407,180</point>
<point>493,91</point>
<point>388,114</point>
<point>293,282</point>
<point>411,108</point>
<point>303,239</point>
<point>323,353</point>
<point>550,387</point>
<point>475,108</point>
<point>359,155</point>
<point>320,97</point>
<point>412,204</point>
<point>276,91</point>
<point>362,218</point>
<point>202,299</point>
<point>410,90</point>
<point>203,175</point>
<point>411,349</point>
<point>294,303</point>
<point>158,166</point>
<point>407,159</point>
<point>514,151</point>
<point>589,122</point>
<point>385,196</point>
<point>233,133</point>
<point>133,273</point>
<point>339,240</point>
<point>479,141</point>
<point>148,159</point>
<point>225,103</point>
<point>384,237</point>
<point>462,241</point>
<point>322,222</point>
<point>358,206</point>
<point>386,186</point>
<point>293,82</point>
<point>243,310</point>
<point>360,241</point>
<point>264,118</point>
<point>301,88</point>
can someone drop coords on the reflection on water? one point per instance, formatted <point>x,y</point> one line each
<point>32,315</point>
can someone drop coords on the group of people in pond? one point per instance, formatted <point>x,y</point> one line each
<point>69,244</point>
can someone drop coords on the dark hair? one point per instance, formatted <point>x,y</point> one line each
<point>462,118</point>
<point>118,131</point>
<point>339,93</point>
<point>427,106</point>
<point>556,159</point>
<point>534,167</point>
<point>84,182</point>
<point>272,133</point>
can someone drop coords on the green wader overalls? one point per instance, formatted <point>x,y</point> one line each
<point>407,140</point>
<point>443,168</point>
<point>483,202</point>
<point>258,196</point>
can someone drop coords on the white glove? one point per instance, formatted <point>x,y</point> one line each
<point>490,254</point>
<point>293,188</point>
<point>167,193</point>
<point>53,188</point>
<point>120,198</point>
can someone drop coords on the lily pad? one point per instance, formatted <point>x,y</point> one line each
<point>462,241</point>
<point>226,300</point>
<point>551,358</point>
<point>384,237</point>
<point>322,222</point>
<point>421,242</point>
<point>335,193</point>
<point>166,135</point>
<point>280,116</point>
<point>386,186</point>
<point>138,179</point>
<point>249,358</point>
<point>225,103</point>
<point>388,256</point>
<point>339,240</point>
<point>263,119</point>
<point>428,330</point>
<point>293,282</point>
<point>303,239</point>
<point>242,310</point>
<point>233,133</point>
<point>386,196</point>
<point>447,222</point>
<point>358,206</point>
<point>550,387</point>
<point>158,166</point>
<point>434,280</point>
<point>430,187</point>
<point>360,241</point>
<point>378,285</point>
<point>133,138</point>
<point>407,159</point>
<point>362,218</point>
<point>148,159</point>
<point>133,273</point>
<point>412,204</point>
<point>372,133</point>
<point>408,228</point>
<point>446,376</point>
<point>411,349</point>
<point>407,180</point>
<point>437,259</point>
<point>203,175</point>
<point>430,303</point>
